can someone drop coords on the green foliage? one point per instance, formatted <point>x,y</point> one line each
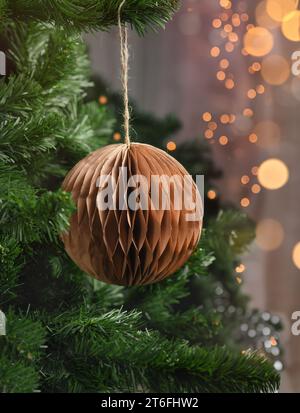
<point>10,266</point>
<point>83,15</point>
<point>126,358</point>
<point>20,353</point>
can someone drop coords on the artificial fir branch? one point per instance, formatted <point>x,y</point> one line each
<point>153,362</point>
<point>85,15</point>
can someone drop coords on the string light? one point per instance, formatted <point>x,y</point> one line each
<point>256,66</point>
<point>244,17</point>
<point>208,134</point>
<point>224,119</point>
<point>240,268</point>
<point>215,51</point>
<point>221,75</point>
<point>103,100</point>
<point>171,146</point>
<point>207,117</point>
<point>258,41</point>
<point>245,202</point>
<point>211,194</point>
<point>251,93</point>
<point>263,18</point>
<point>278,9</point>
<point>296,255</point>
<point>275,70</point>
<point>223,140</point>
<point>291,26</point>
<point>226,4</point>
<point>232,118</point>
<point>229,47</point>
<point>216,23</point>
<point>236,21</point>
<point>269,234</point>
<point>212,126</point>
<point>117,136</point>
<point>224,64</point>
<point>248,112</point>
<point>229,84</point>
<point>228,28</point>
<point>260,89</point>
<point>273,174</point>
<point>253,138</point>
<point>233,37</point>
<point>256,189</point>
<point>245,179</point>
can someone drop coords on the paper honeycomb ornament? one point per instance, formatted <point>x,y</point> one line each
<point>120,244</point>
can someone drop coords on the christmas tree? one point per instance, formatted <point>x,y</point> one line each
<point>66,332</point>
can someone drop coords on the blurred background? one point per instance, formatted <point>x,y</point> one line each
<point>224,68</point>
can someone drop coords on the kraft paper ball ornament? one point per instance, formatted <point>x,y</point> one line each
<point>124,245</point>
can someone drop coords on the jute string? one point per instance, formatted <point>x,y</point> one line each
<point>124,72</point>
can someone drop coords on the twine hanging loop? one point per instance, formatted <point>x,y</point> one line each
<point>124,72</point>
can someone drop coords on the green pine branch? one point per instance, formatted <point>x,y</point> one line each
<point>127,358</point>
<point>20,353</point>
<point>86,15</point>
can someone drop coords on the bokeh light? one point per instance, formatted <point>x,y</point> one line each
<point>256,189</point>
<point>240,268</point>
<point>253,138</point>
<point>291,26</point>
<point>258,41</point>
<point>260,89</point>
<point>296,255</point>
<point>211,194</point>
<point>171,146</point>
<point>229,47</point>
<point>269,234</point>
<point>221,75</point>
<point>251,93</point>
<point>208,134</point>
<point>212,126</point>
<point>226,4</point>
<point>207,117</point>
<point>117,136</point>
<point>103,100</point>
<point>215,51</point>
<point>263,18</point>
<point>245,179</point>
<point>229,84</point>
<point>245,202</point>
<point>223,140</point>
<point>216,23</point>
<point>248,112</point>
<point>224,119</point>
<point>236,21</point>
<point>278,9</point>
<point>275,70</point>
<point>256,66</point>
<point>224,64</point>
<point>273,174</point>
